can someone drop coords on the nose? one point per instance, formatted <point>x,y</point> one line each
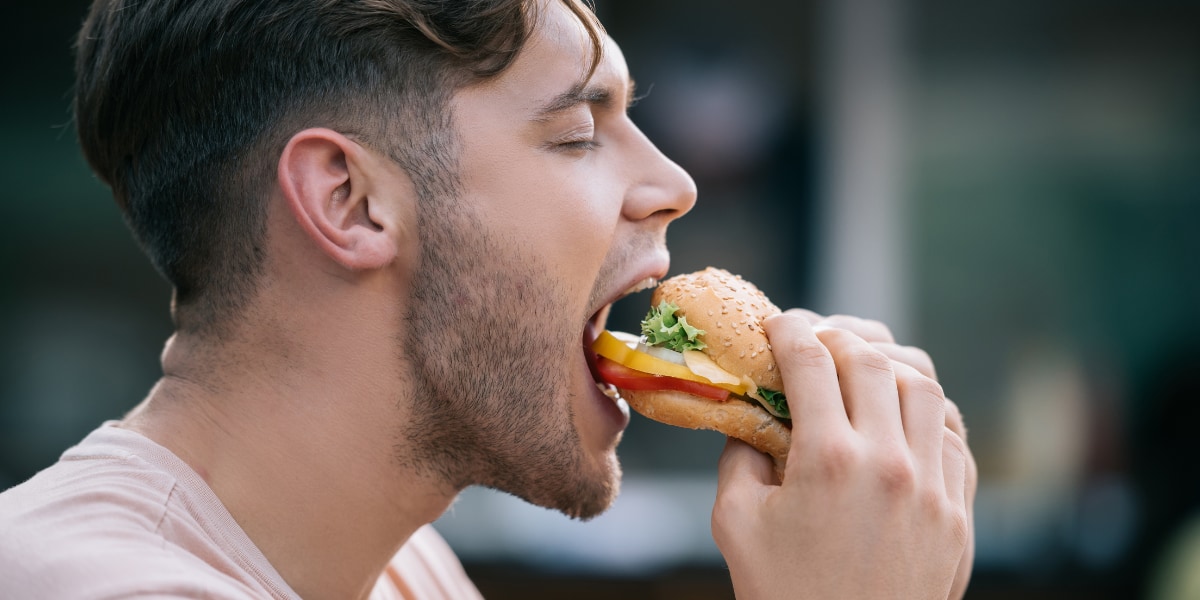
<point>661,188</point>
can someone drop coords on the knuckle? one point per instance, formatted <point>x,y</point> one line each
<point>917,384</point>
<point>721,517</point>
<point>804,353</point>
<point>850,350</point>
<point>879,330</point>
<point>921,360</point>
<point>972,471</point>
<point>954,419</point>
<point>953,443</point>
<point>871,359</point>
<point>933,502</point>
<point>946,513</point>
<point>835,460</point>
<point>725,516</point>
<point>897,474</point>
<point>952,411</point>
<point>870,329</point>
<point>960,525</point>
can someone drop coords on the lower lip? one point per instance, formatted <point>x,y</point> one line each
<point>617,411</point>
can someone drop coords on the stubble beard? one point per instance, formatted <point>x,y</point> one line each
<point>490,347</point>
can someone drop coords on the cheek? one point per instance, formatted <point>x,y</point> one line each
<point>565,221</point>
<point>585,206</point>
<point>562,210</point>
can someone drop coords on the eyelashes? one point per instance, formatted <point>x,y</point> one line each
<point>579,145</point>
<point>579,139</point>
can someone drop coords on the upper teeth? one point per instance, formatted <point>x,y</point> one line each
<point>644,284</point>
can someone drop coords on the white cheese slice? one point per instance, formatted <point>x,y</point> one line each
<point>704,366</point>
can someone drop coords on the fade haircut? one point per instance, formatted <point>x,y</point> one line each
<point>183,108</point>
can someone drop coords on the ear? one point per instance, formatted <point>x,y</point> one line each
<point>342,195</point>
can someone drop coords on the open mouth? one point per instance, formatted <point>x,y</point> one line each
<point>596,324</point>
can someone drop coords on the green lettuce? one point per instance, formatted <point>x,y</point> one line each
<point>662,328</point>
<point>776,400</point>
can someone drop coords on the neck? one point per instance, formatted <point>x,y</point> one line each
<point>302,449</point>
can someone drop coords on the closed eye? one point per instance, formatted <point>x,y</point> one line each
<point>580,145</point>
<point>579,139</point>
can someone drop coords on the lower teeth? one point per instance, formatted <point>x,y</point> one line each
<point>609,390</point>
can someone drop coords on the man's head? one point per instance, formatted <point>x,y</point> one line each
<point>183,109</point>
<point>465,313</point>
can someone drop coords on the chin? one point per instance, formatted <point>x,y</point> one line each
<point>593,482</point>
<point>600,491</point>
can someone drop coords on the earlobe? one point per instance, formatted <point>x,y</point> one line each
<point>330,185</point>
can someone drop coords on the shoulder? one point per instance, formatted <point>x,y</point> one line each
<point>89,546</point>
<point>96,568</point>
<point>82,496</point>
<point>90,527</point>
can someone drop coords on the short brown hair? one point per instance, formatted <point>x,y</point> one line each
<point>183,107</point>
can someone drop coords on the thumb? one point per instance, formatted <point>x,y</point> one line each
<point>741,466</point>
<point>744,476</point>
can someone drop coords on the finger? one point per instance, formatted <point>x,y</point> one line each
<point>954,420</point>
<point>909,355</point>
<point>868,384</point>
<point>743,475</point>
<point>741,465</point>
<point>964,574</point>
<point>923,410</point>
<point>810,378</point>
<point>954,466</point>
<point>812,317</point>
<point>867,329</point>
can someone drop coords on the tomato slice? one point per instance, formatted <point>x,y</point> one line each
<point>626,378</point>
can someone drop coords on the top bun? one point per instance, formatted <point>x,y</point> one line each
<point>730,310</point>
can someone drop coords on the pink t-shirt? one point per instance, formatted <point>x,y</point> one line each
<point>119,516</point>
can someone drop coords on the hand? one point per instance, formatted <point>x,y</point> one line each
<point>881,338</point>
<point>874,502</point>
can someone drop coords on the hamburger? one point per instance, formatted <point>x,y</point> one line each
<point>703,361</point>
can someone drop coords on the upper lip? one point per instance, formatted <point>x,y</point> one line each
<point>654,268</point>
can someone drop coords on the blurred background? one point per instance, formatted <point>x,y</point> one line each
<point>1013,186</point>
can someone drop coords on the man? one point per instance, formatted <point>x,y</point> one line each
<point>392,227</point>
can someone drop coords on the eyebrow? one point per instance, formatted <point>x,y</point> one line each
<point>581,93</point>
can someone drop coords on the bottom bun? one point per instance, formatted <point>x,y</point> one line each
<point>734,418</point>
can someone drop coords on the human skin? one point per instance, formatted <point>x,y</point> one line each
<point>301,417</point>
<point>876,499</point>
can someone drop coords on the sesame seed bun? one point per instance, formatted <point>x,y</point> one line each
<point>736,418</point>
<point>730,310</point>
